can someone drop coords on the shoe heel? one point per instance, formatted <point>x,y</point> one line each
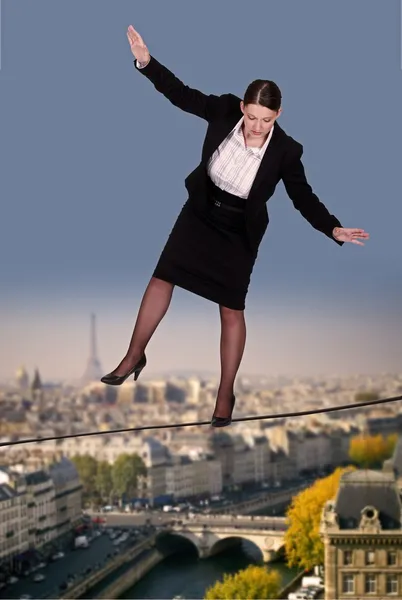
<point>224,421</point>
<point>137,373</point>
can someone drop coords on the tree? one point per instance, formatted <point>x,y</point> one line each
<point>370,451</point>
<point>253,583</point>
<point>103,480</point>
<point>86,466</point>
<point>125,472</point>
<point>303,545</point>
<point>368,396</point>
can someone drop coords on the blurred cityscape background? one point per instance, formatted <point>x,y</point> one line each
<point>109,514</point>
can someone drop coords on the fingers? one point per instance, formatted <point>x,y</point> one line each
<point>359,232</point>
<point>134,36</point>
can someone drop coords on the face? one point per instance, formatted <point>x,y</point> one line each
<point>258,120</point>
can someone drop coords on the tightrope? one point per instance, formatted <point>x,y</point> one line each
<point>302,413</point>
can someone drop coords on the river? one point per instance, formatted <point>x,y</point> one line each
<point>183,574</point>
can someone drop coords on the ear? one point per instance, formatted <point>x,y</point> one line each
<point>278,114</point>
<point>242,106</point>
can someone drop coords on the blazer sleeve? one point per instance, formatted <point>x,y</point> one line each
<point>187,99</point>
<point>303,197</point>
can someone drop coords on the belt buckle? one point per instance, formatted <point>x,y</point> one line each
<point>217,203</point>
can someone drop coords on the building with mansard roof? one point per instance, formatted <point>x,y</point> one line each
<point>362,533</point>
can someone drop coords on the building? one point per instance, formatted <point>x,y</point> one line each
<point>362,534</point>
<point>152,486</point>
<point>221,445</point>
<point>37,507</point>
<point>67,495</point>
<point>42,518</point>
<point>13,524</point>
<point>193,476</point>
<point>394,464</point>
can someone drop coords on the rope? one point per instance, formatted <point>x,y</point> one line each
<point>197,423</point>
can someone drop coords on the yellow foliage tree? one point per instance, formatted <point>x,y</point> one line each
<point>303,545</point>
<point>369,451</point>
<point>253,583</point>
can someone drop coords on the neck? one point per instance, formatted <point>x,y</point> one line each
<point>250,140</point>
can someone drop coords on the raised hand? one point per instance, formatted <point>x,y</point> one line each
<point>137,45</point>
<point>350,235</point>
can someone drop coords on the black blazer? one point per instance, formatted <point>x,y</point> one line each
<point>281,161</point>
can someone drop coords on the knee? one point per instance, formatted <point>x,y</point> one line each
<point>160,284</point>
<point>231,317</point>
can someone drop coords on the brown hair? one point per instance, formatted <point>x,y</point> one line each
<point>265,93</point>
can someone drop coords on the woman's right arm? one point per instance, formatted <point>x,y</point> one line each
<point>188,99</point>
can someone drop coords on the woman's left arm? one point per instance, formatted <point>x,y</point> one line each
<point>303,197</point>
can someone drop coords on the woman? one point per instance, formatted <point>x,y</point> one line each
<point>214,243</point>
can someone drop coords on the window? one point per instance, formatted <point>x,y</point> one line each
<point>348,584</point>
<point>347,557</point>
<point>391,558</point>
<point>370,557</point>
<point>370,584</point>
<point>392,584</point>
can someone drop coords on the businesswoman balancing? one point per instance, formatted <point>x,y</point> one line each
<point>212,248</point>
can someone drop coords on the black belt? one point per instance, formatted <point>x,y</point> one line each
<point>220,204</point>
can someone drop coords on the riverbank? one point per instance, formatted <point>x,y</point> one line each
<point>136,572</point>
<point>111,569</point>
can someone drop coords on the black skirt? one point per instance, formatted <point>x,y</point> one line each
<point>208,254</point>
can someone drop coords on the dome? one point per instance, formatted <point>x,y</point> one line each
<point>22,377</point>
<point>21,373</point>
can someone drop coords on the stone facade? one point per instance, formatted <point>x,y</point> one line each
<point>362,534</point>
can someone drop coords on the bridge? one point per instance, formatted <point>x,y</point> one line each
<point>277,499</point>
<point>212,535</point>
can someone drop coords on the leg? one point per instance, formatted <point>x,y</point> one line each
<point>154,305</point>
<point>233,340</point>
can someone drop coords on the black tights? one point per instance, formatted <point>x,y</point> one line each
<point>154,306</point>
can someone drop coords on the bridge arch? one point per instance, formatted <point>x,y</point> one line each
<point>171,542</point>
<point>250,547</point>
<point>211,538</point>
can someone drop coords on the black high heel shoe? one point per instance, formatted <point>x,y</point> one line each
<point>224,421</point>
<point>112,379</point>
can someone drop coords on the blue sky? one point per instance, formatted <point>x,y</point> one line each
<point>94,161</point>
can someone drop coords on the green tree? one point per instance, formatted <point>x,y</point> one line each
<point>125,472</point>
<point>368,396</point>
<point>370,451</point>
<point>253,583</point>
<point>103,480</point>
<point>86,466</point>
<point>303,545</point>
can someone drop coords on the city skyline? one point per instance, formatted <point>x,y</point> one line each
<point>77,148</point>
<point>343,356</point>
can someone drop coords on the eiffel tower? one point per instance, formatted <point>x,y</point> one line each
<point>93,371</point>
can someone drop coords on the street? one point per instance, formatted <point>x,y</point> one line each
<point>75,562</point>
<point>117,519</point>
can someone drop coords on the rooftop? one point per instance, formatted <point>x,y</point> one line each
<point>362,488</point>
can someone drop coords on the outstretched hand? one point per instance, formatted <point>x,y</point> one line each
<point>137,45</point>
<point>342,234</point>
